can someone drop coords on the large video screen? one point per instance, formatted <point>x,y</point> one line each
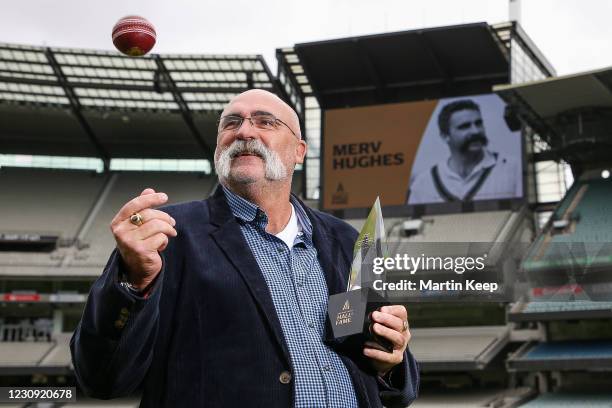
<point>448,150</point>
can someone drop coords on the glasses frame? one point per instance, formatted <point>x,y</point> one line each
<point>250,119</point>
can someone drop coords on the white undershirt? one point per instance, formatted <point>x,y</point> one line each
<point>291,230</point>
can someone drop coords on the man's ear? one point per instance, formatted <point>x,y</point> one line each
<point>300,151</point>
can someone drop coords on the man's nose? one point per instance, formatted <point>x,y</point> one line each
<point>246,130</point>
<point>475,128</point>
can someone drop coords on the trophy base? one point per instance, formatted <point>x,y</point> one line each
<point>350,324</point>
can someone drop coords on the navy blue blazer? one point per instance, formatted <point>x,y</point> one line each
<point>209,335</point>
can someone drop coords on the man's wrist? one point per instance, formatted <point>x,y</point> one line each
<point>138,289</point>
<point>133,289</point>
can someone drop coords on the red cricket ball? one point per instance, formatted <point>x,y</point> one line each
<point>134,36</point>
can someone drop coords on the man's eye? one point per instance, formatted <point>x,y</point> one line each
<point>266,122</point>
<point>230,123</point>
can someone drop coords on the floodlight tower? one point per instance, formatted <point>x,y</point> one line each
<point>514,10</point>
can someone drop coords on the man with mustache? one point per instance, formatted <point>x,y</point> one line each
<point>223,302</point>
<point>472,172</point>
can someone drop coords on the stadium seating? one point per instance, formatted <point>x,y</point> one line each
<point>44,202</point>
<point>563,355</point>
<point>457,399</point>
<point>36,356</point>
<point>59,355</point>
<point>594,223</point>
<point>557,307</point>
<point>585,208</point>
<point>570,399</point>
<point>457,348</point>
<point>22,353</point>
<point>47,201</point>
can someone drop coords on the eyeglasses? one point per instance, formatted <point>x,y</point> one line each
<point>262,122</point>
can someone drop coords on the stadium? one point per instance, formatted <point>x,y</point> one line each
<point>82,132</point>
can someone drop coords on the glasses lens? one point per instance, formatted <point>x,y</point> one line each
<point>264,121</point>
<point>231,122</point>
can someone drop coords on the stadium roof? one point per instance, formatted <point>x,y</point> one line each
<point>95,103</point>
<point>400,66</point>
<point>572,113</point>
<point>554,96</point>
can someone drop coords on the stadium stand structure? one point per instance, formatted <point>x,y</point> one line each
<point>568,264</point>
<point>571,256</point>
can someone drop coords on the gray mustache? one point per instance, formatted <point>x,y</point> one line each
<point>250,147</point>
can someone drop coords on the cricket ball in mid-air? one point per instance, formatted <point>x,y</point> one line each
<point>134,36</point>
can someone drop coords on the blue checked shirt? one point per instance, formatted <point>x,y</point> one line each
<point>299,293</point>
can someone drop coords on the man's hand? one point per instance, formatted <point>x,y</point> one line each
<point>391,322</point>
<point>139,244</point>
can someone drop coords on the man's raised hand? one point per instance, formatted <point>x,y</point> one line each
<point>139,244</point>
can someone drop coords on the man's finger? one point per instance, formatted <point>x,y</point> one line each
<point>396,310</point>
<point>390,358</point>
<point>149,214</point>
<point>140,203</point>
<point>392,335</point>
<point>147,190</point>
<point>153,227</point>
<point>389,320</point>
<point>157,241</point>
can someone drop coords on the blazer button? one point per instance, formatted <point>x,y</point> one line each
<point>285,377</point>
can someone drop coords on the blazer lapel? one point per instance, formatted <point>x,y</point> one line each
<point>231,241</point>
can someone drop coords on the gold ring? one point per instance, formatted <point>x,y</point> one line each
<point>405,326</point>
<point>136,219</point>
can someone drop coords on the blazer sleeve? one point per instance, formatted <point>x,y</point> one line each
<point>112,347</point>
<point>403,386</point>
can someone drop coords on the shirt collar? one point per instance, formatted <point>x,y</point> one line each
<point>487,161</point>
<point>303,220</point>
<point>247,211</point>
<point>241,207</point>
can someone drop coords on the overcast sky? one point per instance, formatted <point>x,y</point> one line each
<point>575,35</point>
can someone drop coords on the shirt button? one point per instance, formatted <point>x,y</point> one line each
<point>300,284</point>
<point>280,250</point>
<point>311,325</point>
<point>327,368</point>
<point>285,377</point>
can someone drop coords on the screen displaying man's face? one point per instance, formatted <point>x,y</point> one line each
<point>448,135</point>
<point>466,132</point>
